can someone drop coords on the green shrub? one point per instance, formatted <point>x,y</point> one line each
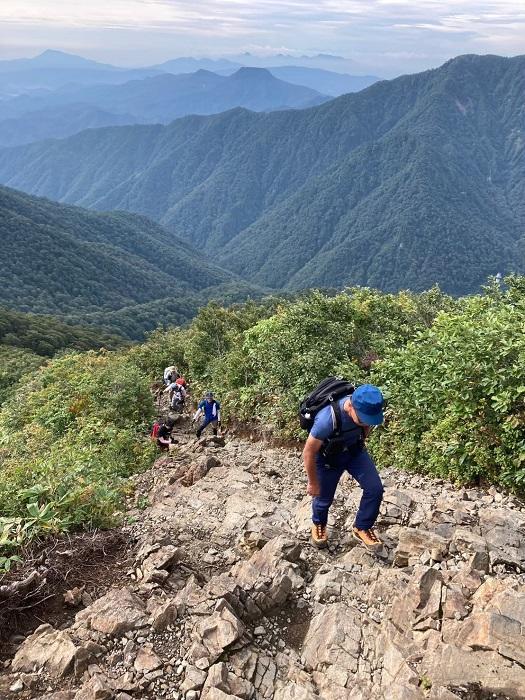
<point>457,393</point>
<point>69,437</point>
<point>261,359</point>
<point>15,362</point>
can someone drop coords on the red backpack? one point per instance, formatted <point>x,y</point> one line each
<point>155,430</point>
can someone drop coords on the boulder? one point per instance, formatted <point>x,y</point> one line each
<point>116,613</point>
<point>96,688</point>
<point>328,583</point>
<point>216,694</point>
<point>219,677</point>
<point>504,531</point>
<point>146,661</point>
<point>48,649</point>
<point>413,542</point>
<point>156,566</point>
<point>264,677</point>
<point>194,679</point>
<point>293,691</point>
<point>163,612</point>
<point>213,634</point>
<point>454,605</point>
<point>489,630</point>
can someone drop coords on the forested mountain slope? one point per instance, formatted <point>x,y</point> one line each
<point>56,122</point>
<point>68,261</point>
<point>410,182</point>
<point>27,340</point>
<point>44,335</point>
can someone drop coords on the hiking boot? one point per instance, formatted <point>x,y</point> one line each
<point>319,535</point>
<point>367,537</point>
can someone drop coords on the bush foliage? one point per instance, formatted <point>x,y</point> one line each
<point>69,437</point>
<point>453,371</point>
<point>457,392</point>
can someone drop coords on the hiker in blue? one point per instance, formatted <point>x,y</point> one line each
<point>211,410</point>
<point>326,457</point>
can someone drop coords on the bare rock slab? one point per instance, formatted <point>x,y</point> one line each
<point>48,649</point>
<point>333,638</point>
<point>116,613</point>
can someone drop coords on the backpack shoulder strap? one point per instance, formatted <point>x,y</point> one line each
<point>337,420</point>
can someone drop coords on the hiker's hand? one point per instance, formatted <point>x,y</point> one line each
<point>313,488</point>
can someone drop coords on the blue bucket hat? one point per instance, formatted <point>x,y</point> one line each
<point>368,402</point>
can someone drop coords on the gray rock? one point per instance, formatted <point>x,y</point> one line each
<point>213,634</point>
<point>47,649</point>
<point>117,612</point>
<point>333,638</point>
<point>147,660</point>
<point>412,543</point>
<point>96,688</point>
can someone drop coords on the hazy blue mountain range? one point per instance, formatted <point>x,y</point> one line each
<point>153,100</point>
<point>71,262</point>
<point>324,81</point>
<point>192,65</point>
<point>53,69</point>
<point>324,61</point>
<point>410,182</point>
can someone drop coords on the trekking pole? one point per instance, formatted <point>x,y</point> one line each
<point>159,397</point>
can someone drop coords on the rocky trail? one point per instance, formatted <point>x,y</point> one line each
<point>224,598</point>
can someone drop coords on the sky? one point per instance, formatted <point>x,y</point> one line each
<point>387,37</point>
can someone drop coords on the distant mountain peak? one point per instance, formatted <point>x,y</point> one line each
<point>249,72</point>
<point>202,72</point>
<point>61,59</point>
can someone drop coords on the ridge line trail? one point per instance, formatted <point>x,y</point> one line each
<point>226,597</point>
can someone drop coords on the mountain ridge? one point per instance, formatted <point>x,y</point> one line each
<point>157,99</point>
<point>234,182</point>
<point>71,263</point>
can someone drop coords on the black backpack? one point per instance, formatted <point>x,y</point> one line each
<point>327,393</point>
<point>324,394</point>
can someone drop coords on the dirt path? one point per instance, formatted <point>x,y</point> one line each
<point>220,594</point>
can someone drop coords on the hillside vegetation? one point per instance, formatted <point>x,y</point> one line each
<point>453,372</point>
<point>26,340</point>
<point>410,182</point>
<point>76,263</point>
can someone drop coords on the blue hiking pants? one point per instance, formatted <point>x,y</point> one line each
<point>359,465</point>
<point>206,422</point>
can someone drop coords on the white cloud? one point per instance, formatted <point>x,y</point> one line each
<point>363,29</point>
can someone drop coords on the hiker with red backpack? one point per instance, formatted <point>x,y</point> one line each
<point>339,418</point>
<point>162,434</point>
<point>177,395</point>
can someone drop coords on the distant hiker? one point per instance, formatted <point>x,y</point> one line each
<point>164,439</point>
<point>170,374</point>
<point>211,410</point>
<point>336,443</point>
<point>177,395</point>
